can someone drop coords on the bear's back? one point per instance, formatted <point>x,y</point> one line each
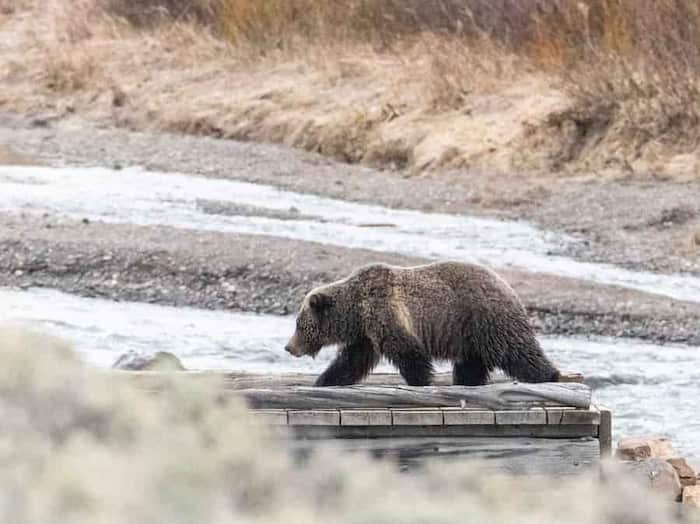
<point>446,285</point>
<point>441,290</point>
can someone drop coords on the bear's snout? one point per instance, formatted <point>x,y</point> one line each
<point>292,347</point>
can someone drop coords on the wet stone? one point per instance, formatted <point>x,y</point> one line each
<point>691,496</point>
<point>656,474</point>
<point>160,361</point>
<point>640,448</point>
<point>686,473</point>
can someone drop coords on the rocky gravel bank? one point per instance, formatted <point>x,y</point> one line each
<point>271,275</point>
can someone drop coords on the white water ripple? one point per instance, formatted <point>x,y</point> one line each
<point>135,196</point>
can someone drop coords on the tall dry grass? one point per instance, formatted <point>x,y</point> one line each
<point>640,57</point>
<point>288,22</point>
<point>628,69</point>
<point>632,67</point>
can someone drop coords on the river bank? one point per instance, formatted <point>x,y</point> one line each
<point>270,274</point>
<point>638,224</point>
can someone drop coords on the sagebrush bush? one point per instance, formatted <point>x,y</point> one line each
<point>79,446</point>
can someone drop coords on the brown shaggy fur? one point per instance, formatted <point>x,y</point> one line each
<point>448,310</point>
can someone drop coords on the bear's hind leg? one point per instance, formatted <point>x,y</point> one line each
<point>350,366</point>
<point>415,368</point>
<point>470,371</point>
<point>406,354</point>
<point>527,362</point>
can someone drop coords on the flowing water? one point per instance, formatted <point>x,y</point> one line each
<point>650,388</point>
<point>147,198</point>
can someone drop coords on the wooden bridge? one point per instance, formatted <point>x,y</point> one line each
<point>519,428</point>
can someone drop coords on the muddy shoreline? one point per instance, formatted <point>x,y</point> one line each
<point>177,267</point>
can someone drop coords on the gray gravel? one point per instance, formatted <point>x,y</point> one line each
<point>271,275</point>
<point>169,266</point>
<point>636,223</point>
<point>641,224</point>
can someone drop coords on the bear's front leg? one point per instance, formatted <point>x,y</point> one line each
<point>352,364</point>
<point>415,366</point>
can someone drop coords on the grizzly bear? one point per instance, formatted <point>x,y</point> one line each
<point>453,311</point>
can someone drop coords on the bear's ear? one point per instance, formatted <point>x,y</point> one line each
<point>320,301</point>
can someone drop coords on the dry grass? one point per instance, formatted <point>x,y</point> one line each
<point>528,86</point>
<point>632,69</point>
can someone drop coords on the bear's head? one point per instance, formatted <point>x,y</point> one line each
<point>330,314</point>
<point>314,325</point>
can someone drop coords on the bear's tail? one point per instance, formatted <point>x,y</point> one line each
<point>528,363</point>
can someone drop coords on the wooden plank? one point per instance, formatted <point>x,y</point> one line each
<point>510,455</point>
<point>450,416</point>
<point>571,377</point>
<point>555,415</point>
<point>416,417</point>
<point>605,432</point>
<point>573,416</point>
<point>365,417</point>
<point>581,416</point>
<point>458,416</point>
<point>525,416</point>
<point>316,417</point>
<point>491,396</point>
<point>474,430</point>
<point>274,417</point>
<point>242,380</point>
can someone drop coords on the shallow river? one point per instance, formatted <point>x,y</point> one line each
<point>183,201</point>
<point>651,389</point>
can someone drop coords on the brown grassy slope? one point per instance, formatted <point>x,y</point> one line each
<point>607,85</point>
